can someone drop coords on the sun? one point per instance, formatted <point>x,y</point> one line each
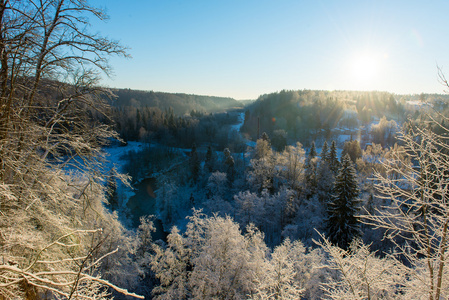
<point>365,67</point>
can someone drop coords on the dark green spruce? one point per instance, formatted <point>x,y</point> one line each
<point>342,221</point>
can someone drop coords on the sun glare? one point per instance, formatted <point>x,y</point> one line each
<point>365,68</point>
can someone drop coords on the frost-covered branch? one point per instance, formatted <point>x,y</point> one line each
<point>417,217</point>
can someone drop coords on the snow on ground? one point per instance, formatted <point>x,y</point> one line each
<point>342,138</point>
<point>416,103</point>
<point>115,154</point>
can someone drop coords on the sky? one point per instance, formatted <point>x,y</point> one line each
<point>246,48</point>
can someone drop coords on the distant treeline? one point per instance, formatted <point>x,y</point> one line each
<point>151,124</point>
<point>174,119</point>
<point>286,116</point>
<point>308,115</point>
<point>180,103</point>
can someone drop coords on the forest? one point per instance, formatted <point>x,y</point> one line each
<point>180,103</point>
<point>301,194</point>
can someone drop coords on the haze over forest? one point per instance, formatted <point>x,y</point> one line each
<point>131,193</point>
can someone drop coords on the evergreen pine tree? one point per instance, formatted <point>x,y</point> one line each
<point>325,177</point>
<point>312,151</point>
<point>310,173</point>
<point>334,164</point>
<point>263,149</point>
<point>230,165</point>
<point>342,222</point>
<point>209,163</point>
<point>325,153</point>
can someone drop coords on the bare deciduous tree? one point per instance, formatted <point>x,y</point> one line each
<point>417,216</point>
<point>51,179</point>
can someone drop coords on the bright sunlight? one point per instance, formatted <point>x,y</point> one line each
<point>365,67</point>
<point>364,70</point>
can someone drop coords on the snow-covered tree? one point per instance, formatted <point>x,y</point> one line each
<point>417,219</point>
<point>269,212</point>
<point>343,223</point>
<point>262,166</point>
<point>291,166</point>
<point>263,148</point>
<point>144,236</point>
<point>278,278</point>
<point>143,251</point>
<point>212,260</point>
<point>217,184</point>
<point>371,160</point>
<point>170,265</point>
<point>292,272</point>
<point>362,275</point>
<point>250,208</point>
<point>384,132</point>
<point>222,269</point>
<point>166,197</point>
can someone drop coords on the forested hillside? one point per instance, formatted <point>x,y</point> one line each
<point>180,103</point>
<point>172,119</point>
<point>309,115</point>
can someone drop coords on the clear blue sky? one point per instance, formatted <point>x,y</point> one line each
<point>245,48</point>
